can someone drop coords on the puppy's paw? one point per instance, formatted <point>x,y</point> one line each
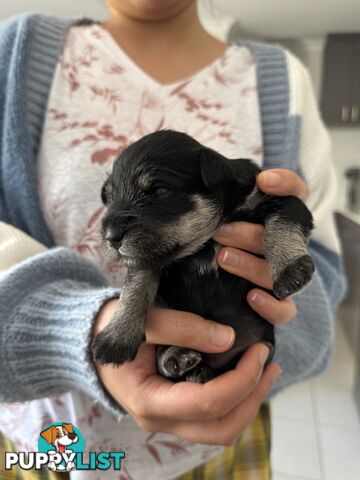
<point>109,347</point>
<point>200,374</point>
<point>175,362</point>
<point>294,277</point>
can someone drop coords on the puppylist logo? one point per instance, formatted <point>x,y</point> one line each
<point>61,447</point>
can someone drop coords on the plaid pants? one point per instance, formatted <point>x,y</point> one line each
<point>247,459</point>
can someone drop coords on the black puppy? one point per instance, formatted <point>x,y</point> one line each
<point>166,196</point>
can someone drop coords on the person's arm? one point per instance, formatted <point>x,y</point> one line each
<point>16,246</point>
<point>48,302</point>
<point>48,328</point>
<point>304,346</point>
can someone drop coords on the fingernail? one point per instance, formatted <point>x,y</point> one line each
<point>224,230</point>
<point>263,354</point>
<point>230,258</point>
<point>271,179</point>
<point>257,299</point>
<point>222,336</point>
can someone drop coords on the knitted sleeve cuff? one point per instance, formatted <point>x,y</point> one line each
<point>48,305</point>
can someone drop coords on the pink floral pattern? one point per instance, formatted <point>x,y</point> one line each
<point>100,103</point>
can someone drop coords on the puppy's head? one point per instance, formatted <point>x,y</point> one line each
<point>61,435</point>
<point>165,197</point>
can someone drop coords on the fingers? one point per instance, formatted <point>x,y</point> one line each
<point>244,235</point>
<point>245,265</point>
<point>183,329</point>
<point>274,311</point>
<point>256,270</point>
<point>189,401</point>
<point>282,182</point>
<point>224,429</point>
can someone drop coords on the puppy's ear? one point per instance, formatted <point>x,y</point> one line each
<point>214,169</point>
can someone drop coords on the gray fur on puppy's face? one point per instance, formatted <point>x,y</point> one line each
<point>158,208</point>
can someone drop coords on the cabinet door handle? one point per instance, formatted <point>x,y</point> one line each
<point>345,113</point>
<point>354,113</point>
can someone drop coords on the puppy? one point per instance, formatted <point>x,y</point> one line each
<point>166,196</point>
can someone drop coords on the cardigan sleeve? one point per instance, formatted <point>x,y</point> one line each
<point>49,299</point>
<point>303,348</point>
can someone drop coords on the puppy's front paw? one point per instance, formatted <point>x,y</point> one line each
<point>201,374</point>
<point>110,346</point>
<point>175,362</point>
<point>294,277</point>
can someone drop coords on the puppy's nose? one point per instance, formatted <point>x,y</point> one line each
<point>114,236</point>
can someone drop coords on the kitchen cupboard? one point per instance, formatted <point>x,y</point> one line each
<point>341,80</point>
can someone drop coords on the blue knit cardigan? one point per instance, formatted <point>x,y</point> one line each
<point>48,303</point>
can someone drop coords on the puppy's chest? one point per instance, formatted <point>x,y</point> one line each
<point>198,285</point>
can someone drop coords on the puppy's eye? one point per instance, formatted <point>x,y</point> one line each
<point>159,191</point>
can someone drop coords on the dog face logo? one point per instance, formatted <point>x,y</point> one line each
<point>61,437</point>
<point>61,448</point>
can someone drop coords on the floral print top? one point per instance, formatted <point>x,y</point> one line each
<point>101,102</point>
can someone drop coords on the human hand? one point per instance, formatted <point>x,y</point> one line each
<point>241,239</point>
<point>214,412</point>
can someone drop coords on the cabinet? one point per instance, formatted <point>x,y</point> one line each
<point>341,80</point>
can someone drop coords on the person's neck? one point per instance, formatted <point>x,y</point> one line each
<point>168,50</point>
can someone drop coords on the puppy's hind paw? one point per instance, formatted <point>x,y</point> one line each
<point>294,277</point>
<point>108,348</point>
<point>200,374</point>
<point>175,362</point>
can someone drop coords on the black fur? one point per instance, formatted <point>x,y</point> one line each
<point>166,196</point>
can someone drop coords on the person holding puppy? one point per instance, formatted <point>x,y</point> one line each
<point>73,96</point>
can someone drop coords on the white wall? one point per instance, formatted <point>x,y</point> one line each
<point>294,18</point>
<point>266,18</point>
<point>67,8</point>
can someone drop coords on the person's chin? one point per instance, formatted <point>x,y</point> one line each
<point>152,10</point>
